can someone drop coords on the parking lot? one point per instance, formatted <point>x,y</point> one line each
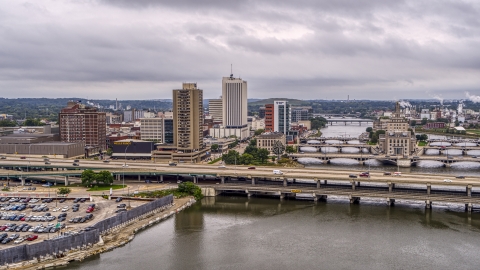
<point>27,219</point>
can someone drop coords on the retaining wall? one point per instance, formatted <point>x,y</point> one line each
<point>37,250</point>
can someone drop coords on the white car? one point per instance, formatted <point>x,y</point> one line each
<point>19,240</point>
<point>222,167</point>
<point>125,165</point>
<point>447,180</point>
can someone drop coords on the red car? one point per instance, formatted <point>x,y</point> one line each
<point>90,209</point>
<point>2,228</point>
<point>32,237</point>
<point>251,168</point>
<point>364,174</point>
<point>23,157</point>
<point>23,218</point>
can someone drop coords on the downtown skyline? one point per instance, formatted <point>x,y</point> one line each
<point>305,50</point>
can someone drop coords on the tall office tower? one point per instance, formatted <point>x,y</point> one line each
<point>215,109</point>
<point>79,123</point>
<point>234,102</point>
<point>188,117</point>
<point>282,116</point>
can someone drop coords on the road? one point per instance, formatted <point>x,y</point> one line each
<point>233,171</point>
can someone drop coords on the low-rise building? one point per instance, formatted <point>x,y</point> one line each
<point>268,139</point>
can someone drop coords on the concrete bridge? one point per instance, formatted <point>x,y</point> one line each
<point>323,139</point>
<point>351,121</point>
<point>339,146</point>
<point>353,191</point>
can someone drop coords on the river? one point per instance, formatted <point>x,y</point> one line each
<point>263,233</point>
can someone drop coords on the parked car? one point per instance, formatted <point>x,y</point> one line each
<point>121,205</point>
<point>119,199</point>
<point>121,210</point>
<point>32,237</point>
<point>75,164</point>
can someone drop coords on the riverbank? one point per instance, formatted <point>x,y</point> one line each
<point>108,241</point>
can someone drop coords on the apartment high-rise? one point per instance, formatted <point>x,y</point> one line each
<point>79,123</point>
<point>269,118</point>
<point>215,109</point>
<point>188,118</point>
<point>301,113</point>
<point>234,102</point>
<point>282,116</point>
<point>152,129</point>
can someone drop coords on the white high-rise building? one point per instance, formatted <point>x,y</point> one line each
<point>282,116</point>
<point>234,102</point>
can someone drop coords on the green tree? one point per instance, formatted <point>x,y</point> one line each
<point>88,177</point>
<point>246,159</point>
<point>214,147</point>
<point>290,149</point>
<point>413,123</point>
<point>424,121</point>
<point>259,131</point>
<point>369,129</point>
<point>7,123</point>
<point>262,154</point>
<point>64,190</point>
<point>104,177</point>
<point>253,142</point>
<point>231,157</point>
<point>318,122</point>
<point>190,189</point>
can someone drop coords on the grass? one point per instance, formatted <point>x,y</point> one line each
<point>474,131</point>
<point>100,188</point>
<point>215,160</point>
<point>422,143</point>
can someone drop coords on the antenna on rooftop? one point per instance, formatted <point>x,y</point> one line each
<point>231,71</point>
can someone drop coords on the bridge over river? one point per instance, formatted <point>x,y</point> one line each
<point>319,183</point>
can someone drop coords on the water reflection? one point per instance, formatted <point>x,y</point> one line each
<point>453,152</point>
<point>309,149</point>
<point>343,161</point>
<point>309,161</point>
<point>440,144</point>
<point>313,142</point>
<point>329,149</point>
<point>432,152</point>
<point>350,150</point>
<point>354,142</point>
<point>333,142</point>
<point>465,144</point>
<point>465,165</point>
<point>473,152</point>
<point>430,164</point>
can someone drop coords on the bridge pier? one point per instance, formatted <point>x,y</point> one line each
<point>222,179</point>
<point>322,197</point>
<point>390,187</point>
<point>390,202</point>
<point>354,200</point>
<point>161,178</point>
<point>469,190</point>
<point>429,188</point>
<point>325,182</point>
<point>139,178</point>
<point>468,207</point>
<point>428,204</point>
<point>353,185</point>
<point>249,194</point>
<point>285,183</point>
<point>195,181</point>
<point>282,197</point>
<point>23,181</point>
<point>66,180</point>
<point>318,183</point>
<point>253,181</point>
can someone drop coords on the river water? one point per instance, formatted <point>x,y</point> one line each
<point>265,233</point>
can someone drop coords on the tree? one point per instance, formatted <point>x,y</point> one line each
<point>88,177</point>
<point>413,123</point>
<point>290,149</point>
<point>246,159</point>
<point>214,147</point>
<point>104,177</point>
<point>64,190</point>
<point>424,121</point>
<point>262,154</point>
<point>278,148</point>
<point>259,131</point>
<point>231,157</point>
<point>251,149</point>
<point>369,129</point>
<point>7,123</point>
<point>253,142</point>
<point>318,122</point>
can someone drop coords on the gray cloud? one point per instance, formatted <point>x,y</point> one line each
<point>302,49</point>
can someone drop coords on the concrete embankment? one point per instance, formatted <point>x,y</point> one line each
<point>108,241</point>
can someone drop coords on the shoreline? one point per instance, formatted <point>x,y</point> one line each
<point>108,241</point>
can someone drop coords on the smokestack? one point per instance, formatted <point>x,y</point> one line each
<point>116,104</point>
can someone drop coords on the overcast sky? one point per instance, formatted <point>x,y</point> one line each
<point>306,49</point>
